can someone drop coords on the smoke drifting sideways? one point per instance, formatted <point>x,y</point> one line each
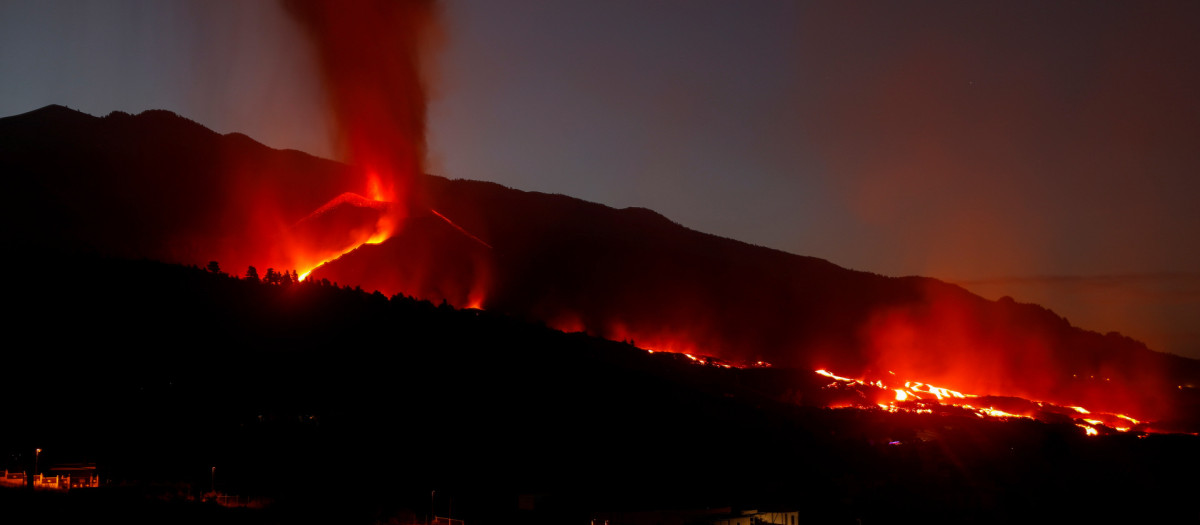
<point>372,57</point>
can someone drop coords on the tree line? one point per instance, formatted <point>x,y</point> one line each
<point>272,276</point>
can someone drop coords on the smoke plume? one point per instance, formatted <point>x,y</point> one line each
<point>371,56</point>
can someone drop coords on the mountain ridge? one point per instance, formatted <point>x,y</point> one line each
<point>624,274</point>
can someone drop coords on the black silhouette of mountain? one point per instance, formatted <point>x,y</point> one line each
<point>153,185</point>
<point>159,186</point>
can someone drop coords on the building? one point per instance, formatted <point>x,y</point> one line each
<point>717,516</point>
<point>68,476</point>
<point>12,479</point>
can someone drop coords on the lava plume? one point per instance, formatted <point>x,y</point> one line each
<point>370,54</point>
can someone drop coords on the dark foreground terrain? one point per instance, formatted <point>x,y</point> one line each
<point>332,405</point>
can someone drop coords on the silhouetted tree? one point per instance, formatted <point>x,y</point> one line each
<point>272,277</point>
<point>285,278</point>
<point>213,267</point>
<point>252,273</point>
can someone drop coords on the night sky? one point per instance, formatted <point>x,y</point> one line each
<point>1045,150</point>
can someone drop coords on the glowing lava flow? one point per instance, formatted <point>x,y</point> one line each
<point>383,228</point>
<point>309,258</point>
<point>460,228</point>
<point>705,360</point>
<point>375,238</point>
<point>923,398</point>
<point>571,324</point>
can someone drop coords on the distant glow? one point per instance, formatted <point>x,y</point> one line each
<point>1127,418</point>
<point>707,360</point>
<point>839,378</point>
<point>921,398</point>
<point>308,258</point>
<point>992,412</point>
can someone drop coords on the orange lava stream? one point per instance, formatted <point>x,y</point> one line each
<point>375,238</point>
<point>705,360</point>
<point>460,228</point>
<point>916,397</point>
<point>385,226</point>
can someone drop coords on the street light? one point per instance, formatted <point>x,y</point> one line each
<point>213,480</point>
<point>36,455</point>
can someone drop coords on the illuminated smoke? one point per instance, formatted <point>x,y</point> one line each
<point>371,54</point>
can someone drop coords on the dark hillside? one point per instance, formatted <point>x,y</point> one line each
<point>632,274</point>
<point>160,186</point>
<point>339,404</point>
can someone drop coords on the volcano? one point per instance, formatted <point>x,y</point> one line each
<point>156,185</point>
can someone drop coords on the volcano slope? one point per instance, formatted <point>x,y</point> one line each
<point>159,186</point>
<point>631,274</point>
<point>340,406</point>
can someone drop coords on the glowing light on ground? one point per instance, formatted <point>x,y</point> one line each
<point>1129,419</point>
<point>923,398</point>
<point>836,377</point>
<point>705,360</point>
<point>460,228</point>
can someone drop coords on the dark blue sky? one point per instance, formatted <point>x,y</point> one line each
<point>1044,150</point>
